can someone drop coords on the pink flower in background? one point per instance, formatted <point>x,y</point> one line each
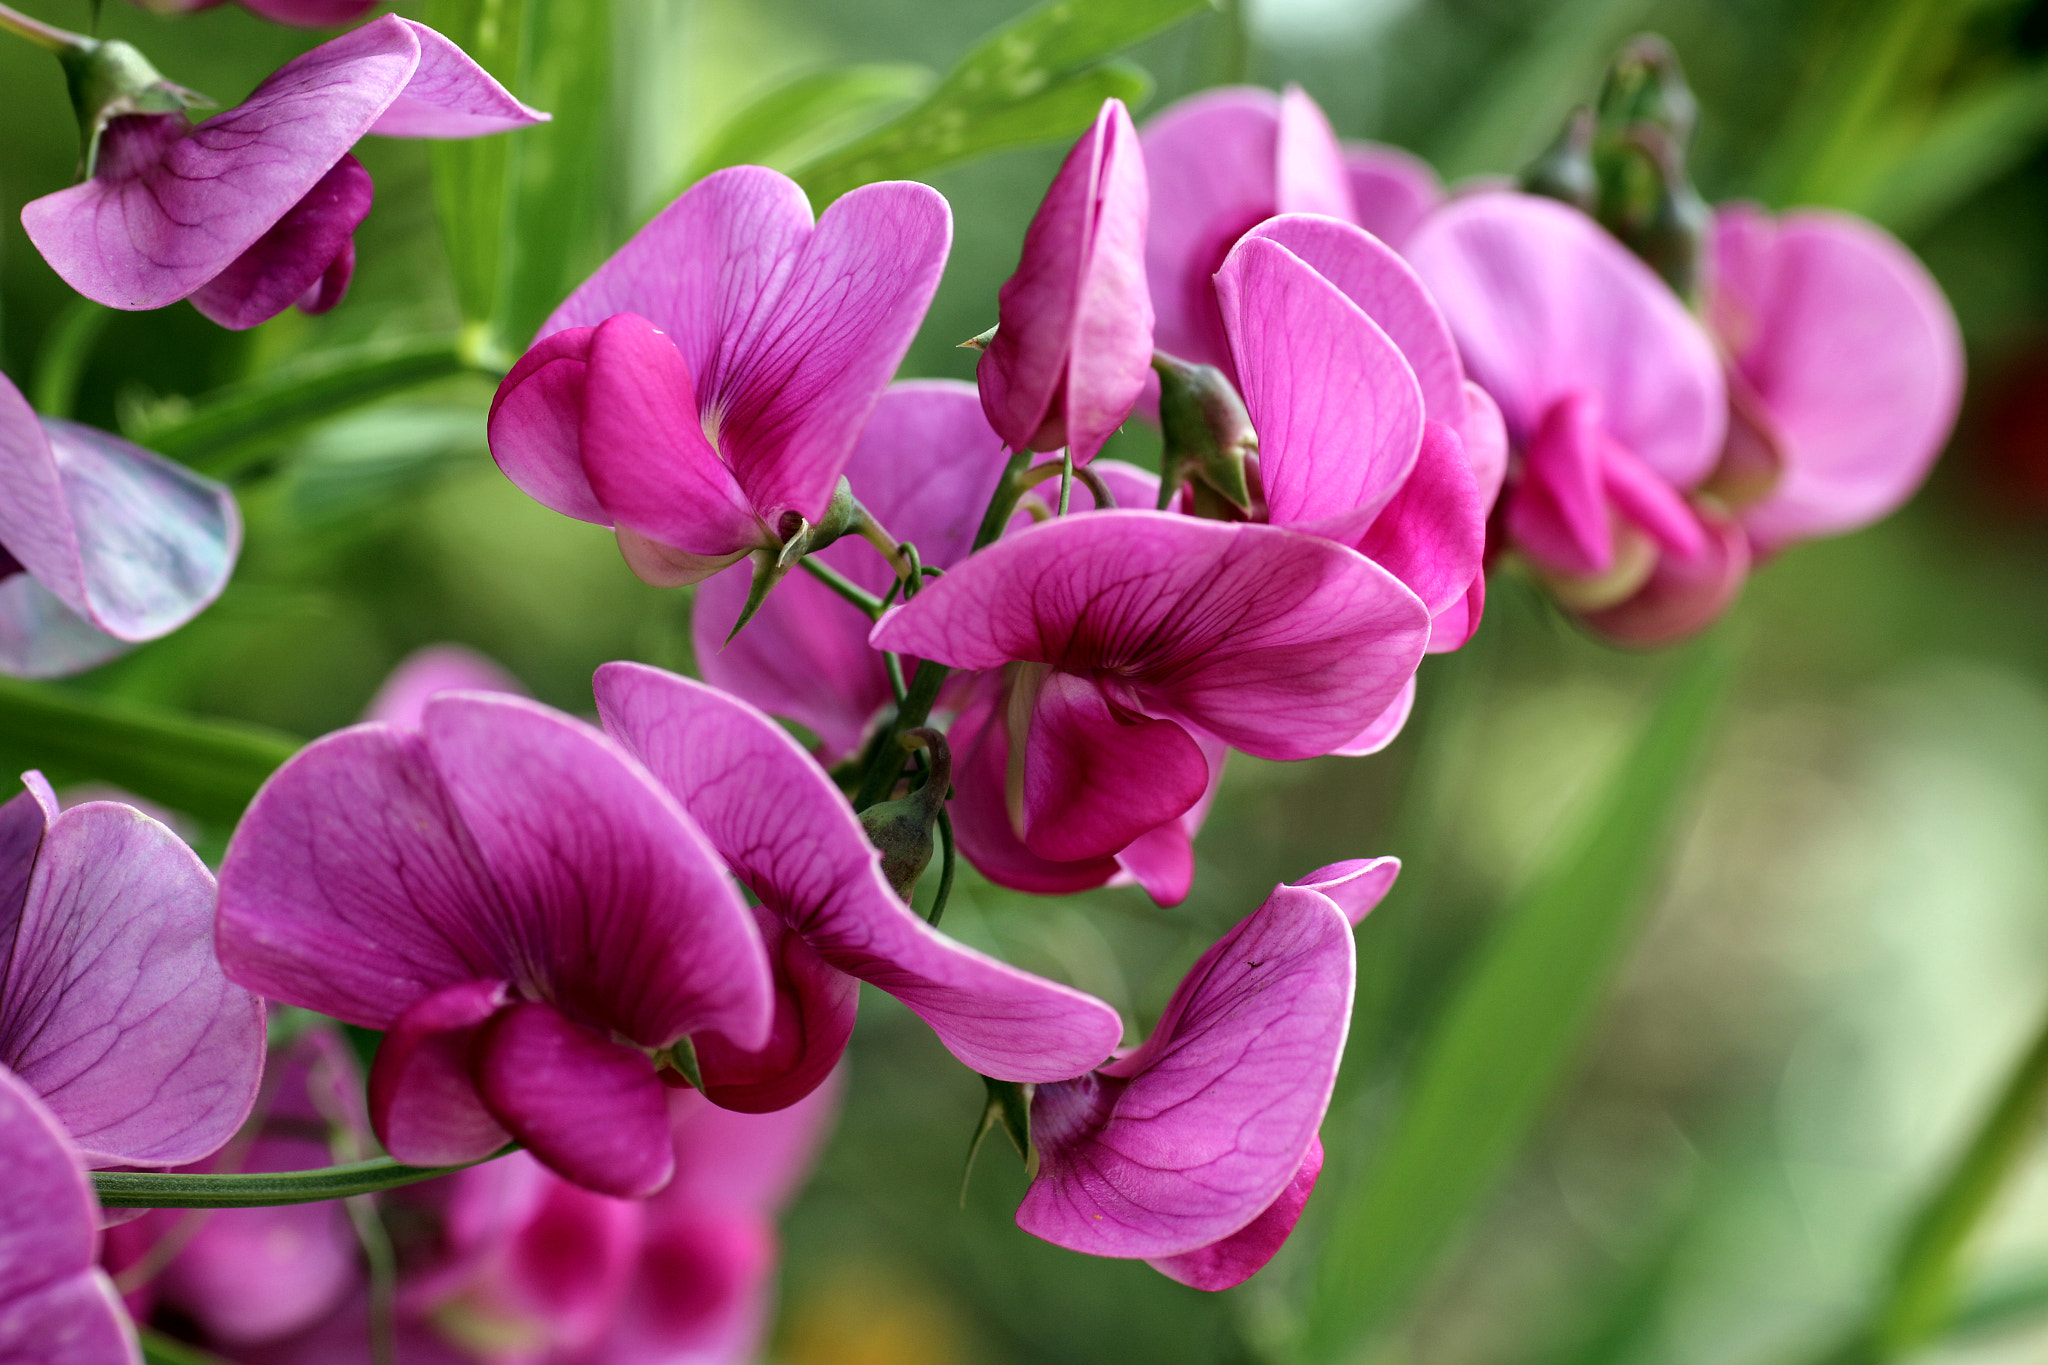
<point>1222,162</point>
<point>255,209</point>
<point>1133,646</point>
<point>1197,1150</point>
<point>244,1277</point>
<point>56,1306</point>
<point>1369,432</point>
<point>702,392</point>
<point>297,13</point>
<point>1073,344</point>
<point>112,1007</point>
<point>1845,369</point>
<point>430,670</point>
<point>1614,402</point>
<point>525,912</point>
<point>827,912</point>
<point>101,543</point>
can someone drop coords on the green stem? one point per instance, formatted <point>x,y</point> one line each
<point>845,587</point>
<point>45,36</point>
<point>158,1349</point>
<point>1918,1298</point>
<point>67,346</point>
<point>947,866</point>
<point>174,1190</point>
<point>227,433</point>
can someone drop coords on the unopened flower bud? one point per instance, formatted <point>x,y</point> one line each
<point>111,79</point>
<point>1668,222</point>
<point>1208,434</point>
<point>799,538</point>
<point>1645,86</point>
<point>902,829</point>
<point>1565,170</point>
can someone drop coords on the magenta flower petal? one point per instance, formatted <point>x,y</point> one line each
<point>790,332</point>
<point>296,256</point>
<point>1338,411</point>
<point>777,819</point>
<point>1851,351</point>
<point>536,425</point>
<point>1387,289</point>
<point>816,1005</point>
<point>588,1107</point>
<point>1485,435</point>
<point>647,457</point>
<point>128,543</point>
<point>1097,776</point>
<point>1392,190</point>
<point>423,1099</point>
<point>1073,347</point>
<point>1559,511</point>
<point>402,698</point>
<point>1432,534</point>
<point>112,1005</point>
<point>924,466</point>
<point>1357,885</point>
<point>1243,1254</point>
<point>615,878</point>
<point>164,216</point>
<point>1191,1137</point>
<point>1544,303</point>
<point>1384,728</point>
<point>309,13</point>
<point>1682,595</point>
<point>1280,644</point>
<point>56,1308</point>
<point>1308,166</point>
<point>448,96</point>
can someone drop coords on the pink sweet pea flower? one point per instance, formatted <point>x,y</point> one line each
<point>1614,402</point>
<point>1134,645</point>
<point>1844,365</point>
<point>702,391</point>
<point>1222,162</point>
<point>827,912</point>
<point>112,1007</point>
<point>430,670</point>
<point>248,1276</point>
<point>1073,343</point>
<point>101,543</point>
<point>255,209</point>
<point>296,13</point>
<point>56,1306</point>
<point>1369,432</point>
<point>525,912</point>
<point>1197,1150</point>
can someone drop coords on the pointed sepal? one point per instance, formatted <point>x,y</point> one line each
<point>1206,430</point>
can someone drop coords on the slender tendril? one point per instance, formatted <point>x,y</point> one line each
<point>947,865</point>
<point>46,36</point>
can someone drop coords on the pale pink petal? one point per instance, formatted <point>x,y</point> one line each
<point>1337,409</point>
<point>1191,1137</point>
<point>1392,190</point>
<point>1357,885</point>
<point>1486,442</point>
<point>1544,303</point>
<point>448,96</point>
<point>1308,165</point>
<point>430,669</point>
<point>588,1107</point>
<point>1682,596</point>
<point>113,1006</point>
<point>1853,353</point>
<point>1280,644</point>
<point>731,1161</point>
<point>785,830</point>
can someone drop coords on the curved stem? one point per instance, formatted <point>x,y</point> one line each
<point>845,587</point>
<point>46,36</point>
<point>176,1190</point>
<point>947,865</point>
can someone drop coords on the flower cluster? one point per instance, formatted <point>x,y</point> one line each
<point>632,949</point>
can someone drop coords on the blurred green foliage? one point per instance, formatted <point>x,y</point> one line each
<point>1788,1039</point>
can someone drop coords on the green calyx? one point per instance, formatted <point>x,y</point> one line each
<point>1206,431</point>
<point>110,79</point>
<point>903,829</point>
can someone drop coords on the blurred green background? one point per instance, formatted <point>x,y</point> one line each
<point>1782,1043</point>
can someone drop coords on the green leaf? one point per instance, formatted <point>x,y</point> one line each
<point>1977,137</point>
<point>803,117</point>
<point>471,174</point>
<point>205,768</point>
<point>1039,78</point>
<point>227,432</point>
<point>1509,1033</point>
<point>264,1189</point>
